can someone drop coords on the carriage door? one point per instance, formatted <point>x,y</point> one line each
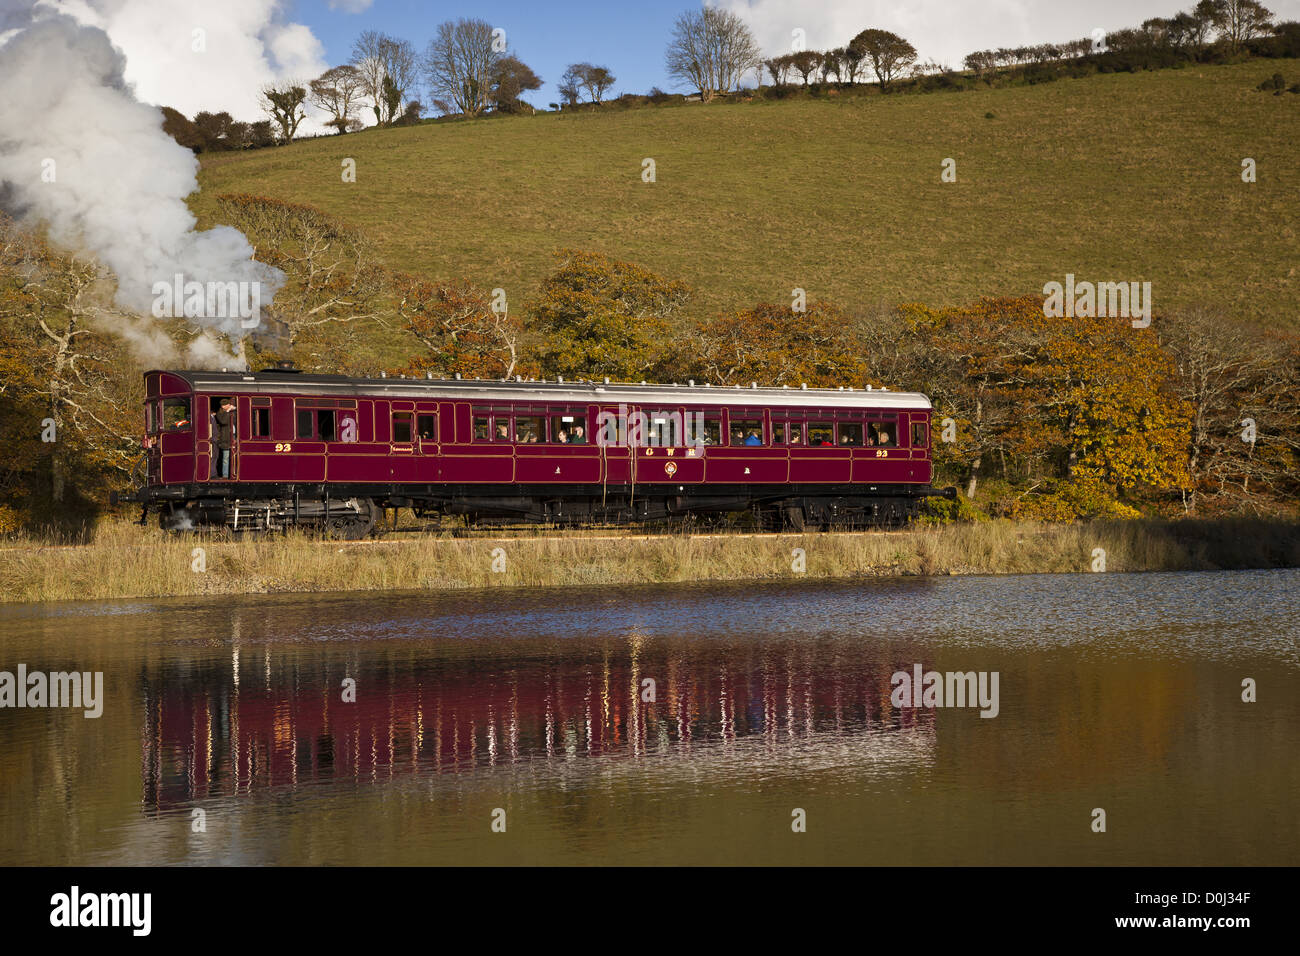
<point>426,428</point>
<point>426,440</point>
<point>610,434</point>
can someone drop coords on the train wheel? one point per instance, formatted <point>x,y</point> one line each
<point>352,525</point>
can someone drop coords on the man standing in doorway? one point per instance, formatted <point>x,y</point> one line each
<point>223,434</point>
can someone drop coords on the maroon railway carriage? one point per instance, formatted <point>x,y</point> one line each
<point>330,451</point>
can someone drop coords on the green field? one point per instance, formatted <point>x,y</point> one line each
<point>1113,178</point>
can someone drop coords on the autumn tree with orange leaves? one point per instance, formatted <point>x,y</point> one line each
<point>775,345</point>
<point>598,316</point>
<point>1087,408</point>
<point>459,330</point>
<point>64,375</point>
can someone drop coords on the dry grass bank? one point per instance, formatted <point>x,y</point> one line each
<point>127,561</point>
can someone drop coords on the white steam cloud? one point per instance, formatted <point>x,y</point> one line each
<point>85,159</point>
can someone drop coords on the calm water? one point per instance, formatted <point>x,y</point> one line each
<point>1115,691</point>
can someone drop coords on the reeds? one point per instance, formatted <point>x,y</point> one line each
<point>127,561</point>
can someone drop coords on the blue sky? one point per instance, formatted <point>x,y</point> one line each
<point>251,43</point>
<point>629,38</point>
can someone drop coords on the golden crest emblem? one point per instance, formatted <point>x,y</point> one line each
<point>670,467</point>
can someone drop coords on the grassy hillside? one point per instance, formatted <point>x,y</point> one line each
<point>1113,178</point>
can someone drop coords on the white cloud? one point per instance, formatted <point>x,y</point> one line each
<point>351,6</point>
<point>246,44</point>
<point>946,30</point>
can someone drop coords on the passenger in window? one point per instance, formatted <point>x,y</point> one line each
<point>795,437</point>
<point>846,437</point>
<point>753,438</point>
<point>579,436</point>
<point>503,431</point>
<point>562,437</point>
<point>884,438</point>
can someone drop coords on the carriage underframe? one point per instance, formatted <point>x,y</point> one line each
<point>356,511</point>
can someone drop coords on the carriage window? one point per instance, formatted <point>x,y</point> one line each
<point>882,434</point>
<point>530,430</point>
<point>148,418</point>
<point>304,423</point>
<point>919,438</point>
<point>427,426</point>
<point>821,433</point>
<point>402,430</point>
<point>176,414</point>
<point>325,424</point>
<point>261,423</point>
<point>664,429</point>
<point>501,428</point>
<point>850,434</point>
<point>701,430</point>
<point>787,433</point>
<point>746,431</point>
<point>569,429</point>
<point>480,428</point>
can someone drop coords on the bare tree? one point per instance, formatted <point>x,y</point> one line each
<point>711,50</point>
<point>337,91</point>
<point>402,64</point>
<point>366,58</point>
<point>570,85</point>
<point>379,57</point>
<point>1229,374</point>
<point>460,62</point>
<point>333,279</point>
<point>283,103</point>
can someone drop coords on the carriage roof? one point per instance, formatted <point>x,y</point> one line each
<point>277,382</point>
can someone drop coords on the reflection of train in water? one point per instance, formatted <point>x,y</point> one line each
<point>329,452</point>
<point>212,735</point>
